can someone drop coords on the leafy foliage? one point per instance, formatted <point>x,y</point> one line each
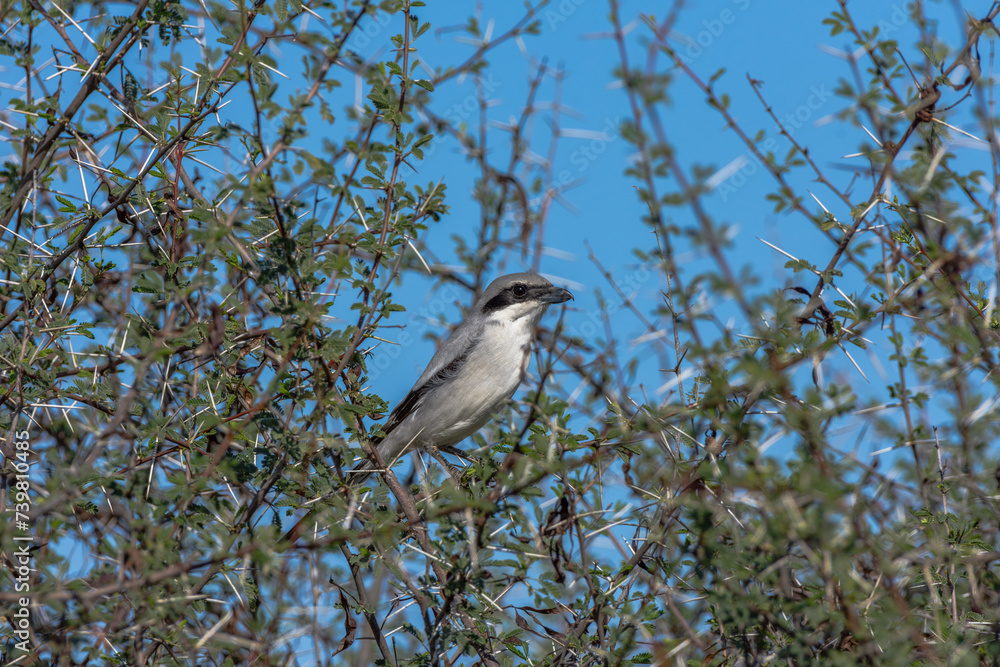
<point>196,298</point>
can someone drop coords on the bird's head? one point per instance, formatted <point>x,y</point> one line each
<point>519,295</point>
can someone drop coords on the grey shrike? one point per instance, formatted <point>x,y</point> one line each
<point>472,374</point>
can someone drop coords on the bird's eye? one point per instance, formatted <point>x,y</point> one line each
<point>519,291</point>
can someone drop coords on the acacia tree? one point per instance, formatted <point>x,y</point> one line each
<point>196,295</point>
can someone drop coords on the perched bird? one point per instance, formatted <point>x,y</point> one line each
<point>472,374</point>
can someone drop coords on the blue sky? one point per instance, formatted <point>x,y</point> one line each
<point>783,44</point>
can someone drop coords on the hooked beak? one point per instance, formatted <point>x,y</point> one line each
<point>554,295</point>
